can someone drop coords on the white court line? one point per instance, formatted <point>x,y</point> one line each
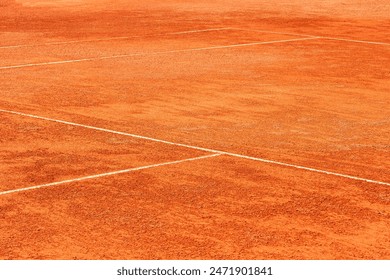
<point>63,43</point>
<point>198,31</point>
<point>106,174</point>
<point>273,32</point>
<point>355,41</point>
<point>201,148</point>
<point>153,53</point>
<point>114,38</point>
<point>314,36</point>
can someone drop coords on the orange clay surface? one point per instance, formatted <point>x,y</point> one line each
<point>220,83</point>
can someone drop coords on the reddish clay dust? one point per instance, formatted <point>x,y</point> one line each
<point>249,78</point>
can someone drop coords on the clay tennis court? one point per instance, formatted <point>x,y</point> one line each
<point>194,130</point>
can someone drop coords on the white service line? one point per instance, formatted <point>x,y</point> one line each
<point>114,38</point>
<point>153,53</point>
<point>314,36</point>
<point>202,149</point>
<point>106,174</point>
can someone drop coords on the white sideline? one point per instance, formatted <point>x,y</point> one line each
<point>153,53</point>
<point>113,38</point>
<point>106,174</point>
<point>202,149</point>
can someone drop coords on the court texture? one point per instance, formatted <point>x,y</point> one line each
<point>194,130</point>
